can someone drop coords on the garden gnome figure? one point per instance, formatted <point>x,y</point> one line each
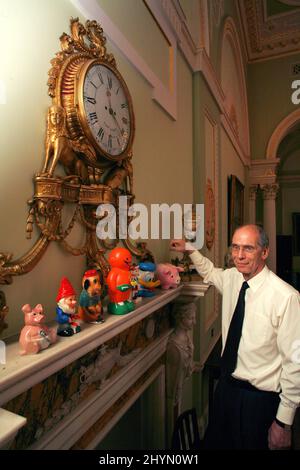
<point>66,310</point>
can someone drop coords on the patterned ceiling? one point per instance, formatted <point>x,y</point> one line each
<point>271,27</point>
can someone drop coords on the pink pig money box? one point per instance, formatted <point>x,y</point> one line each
<point>35,335</point>
<point>168,274</point>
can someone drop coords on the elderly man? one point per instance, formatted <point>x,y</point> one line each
<point>259,389</point>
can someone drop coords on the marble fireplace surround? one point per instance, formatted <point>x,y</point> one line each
<point>20,373</point>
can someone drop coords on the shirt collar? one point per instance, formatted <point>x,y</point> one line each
<point>256,281</point>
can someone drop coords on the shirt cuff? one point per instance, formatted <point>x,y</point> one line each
<point>190,247</point>
<point>285,414</point>
<point>196,256</point>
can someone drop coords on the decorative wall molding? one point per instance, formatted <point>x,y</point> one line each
<point>283,128</point>
<point>288,179</point>
<point>204,65</point>
<point>67,432</point>
<point>170,18</point>
<point>239,120</point>
<point>166,97</point>
<point>158,431</point>
<point>217,11</point>
<point>227,126</point>
<point>204,28</point>
<point>212,176</point>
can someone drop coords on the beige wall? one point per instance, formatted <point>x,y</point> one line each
<point>230,165</point>
<point>269,94</point>
<point>163,148</point>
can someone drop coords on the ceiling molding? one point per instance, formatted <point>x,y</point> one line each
<point>268,37</point>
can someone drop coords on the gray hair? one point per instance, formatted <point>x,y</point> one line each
<point>263,239</point>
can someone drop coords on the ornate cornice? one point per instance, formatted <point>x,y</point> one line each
<point>268,36</point>
<point>263,171</point>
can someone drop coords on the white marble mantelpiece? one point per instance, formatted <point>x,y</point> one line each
<point>194,289</point>
<point>10,423</point>
<point>23,372</point>
<point>20,373</point>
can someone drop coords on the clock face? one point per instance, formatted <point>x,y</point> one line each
<point>106,110</point>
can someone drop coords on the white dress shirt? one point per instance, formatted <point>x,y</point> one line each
<point>269,349</point>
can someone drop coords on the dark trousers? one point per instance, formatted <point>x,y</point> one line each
<point>241,416</point>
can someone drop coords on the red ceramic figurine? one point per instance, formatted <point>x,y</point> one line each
<point>35,335</point>
<point>119,282</point>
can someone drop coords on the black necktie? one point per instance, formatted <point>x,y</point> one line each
<point>229,356</point>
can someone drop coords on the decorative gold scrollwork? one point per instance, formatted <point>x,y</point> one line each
<point>90,180</point>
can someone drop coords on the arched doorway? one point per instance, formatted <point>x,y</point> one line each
<point>284,144</point>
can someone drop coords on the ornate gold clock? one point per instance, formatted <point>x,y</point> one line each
<point>85,83</point>
<point>105,109</point>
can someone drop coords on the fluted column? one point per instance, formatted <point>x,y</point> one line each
<point>269,195</point>
<point>252,203</point>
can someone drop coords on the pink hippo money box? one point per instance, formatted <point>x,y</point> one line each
<point>168,274</point>
<point>35,335</point>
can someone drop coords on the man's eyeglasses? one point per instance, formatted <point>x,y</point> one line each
<point>245,248</point>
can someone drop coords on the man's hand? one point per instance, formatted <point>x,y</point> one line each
<point>279,438</point>
<point>181,246</point>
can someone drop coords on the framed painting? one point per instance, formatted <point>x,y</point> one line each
<point>235,205</point>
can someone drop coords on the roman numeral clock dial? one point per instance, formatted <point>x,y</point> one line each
<point>105,109</point>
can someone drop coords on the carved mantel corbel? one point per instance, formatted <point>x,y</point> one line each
<point>180,364</point>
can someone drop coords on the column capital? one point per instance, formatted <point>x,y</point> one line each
<point>253,192</point>
<point>270,191</point>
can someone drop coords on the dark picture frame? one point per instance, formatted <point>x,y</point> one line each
<point>296,233</point>
<point>235,205</point>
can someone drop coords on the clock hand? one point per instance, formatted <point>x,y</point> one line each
<point>111,112</point>
<point>116,121</point>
